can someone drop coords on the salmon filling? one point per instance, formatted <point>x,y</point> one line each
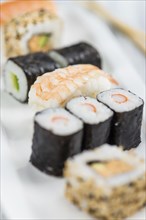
<point>41,42</point>
<point>119,98</point>
<point>110,168</point>
<point>59,118</point>
<point>90,106</point>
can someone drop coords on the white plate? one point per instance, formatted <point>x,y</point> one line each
<point>28,193</point>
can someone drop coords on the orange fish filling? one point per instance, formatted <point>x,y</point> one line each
<point>111,168</point>
<point>92,107</point>
<point>59,118</point>
<point>41,42</point>
<point>119,98</point>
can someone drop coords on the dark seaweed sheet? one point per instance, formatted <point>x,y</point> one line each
<point>50,150</point>
<point>81,53</point>
<point>96,135</point>
<point>35,65</point>
<point>126,128</point>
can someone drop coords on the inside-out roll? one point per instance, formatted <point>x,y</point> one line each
<point>107,182</point>
<point>34,31</point>
<point>96,117</point>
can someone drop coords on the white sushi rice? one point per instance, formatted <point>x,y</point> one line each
<point>83,108</point>
<point>108,153</point>
<point>116,104</point>
<point>12,68</point>
<point>71,124</point>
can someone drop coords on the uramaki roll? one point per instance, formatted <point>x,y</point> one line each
<point>107,182</point>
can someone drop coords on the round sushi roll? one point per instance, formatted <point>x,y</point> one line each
<point>81,53</point>
<point>106,182</point>
<point>128,111</point>
<point>57,136</point>
<point>96,117</point>
<point>12,9</point>
<point>29,28</point>
<point>21,72</point>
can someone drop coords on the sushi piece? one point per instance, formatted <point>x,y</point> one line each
<point>22,71</point>
<point>57,136</point>
<point>96,117</point>
<point>15,8</point>
<point>107,182</point>
<point>32,31</point>
<point>81,53</point>
<point>127,120</point>
<point>57,88</point>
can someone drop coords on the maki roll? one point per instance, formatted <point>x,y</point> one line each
<point>22,71</point>
<point>96,117</point>
<point>57,136</point>
<point>36,29</point>
<point>107,182</point>
<point>127,120</point>
<point>56,88</point>
<point>81,53</point>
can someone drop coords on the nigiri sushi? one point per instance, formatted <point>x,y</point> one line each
<point>56,88</point>
<point>22,71</point>
<point>38,29</point>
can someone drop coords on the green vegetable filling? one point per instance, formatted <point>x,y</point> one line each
<point>44,39</point>
<point>15,81</point>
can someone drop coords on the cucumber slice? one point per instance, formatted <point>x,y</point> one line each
<point>15,81</point>
<point>43,41</point>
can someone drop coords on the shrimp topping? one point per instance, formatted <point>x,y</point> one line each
<point>63,84</point>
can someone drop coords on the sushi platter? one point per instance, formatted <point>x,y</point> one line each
<point>72,120</point>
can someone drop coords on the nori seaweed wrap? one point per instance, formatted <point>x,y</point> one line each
<point>97,120</point>
<point>57,136</point>
<point>81,53</point>
<point>22,71</point>
<point>127,120</point>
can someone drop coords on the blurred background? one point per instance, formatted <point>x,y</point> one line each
<point>133,13</point>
